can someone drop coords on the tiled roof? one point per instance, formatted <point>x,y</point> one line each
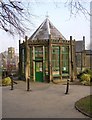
<point>80,46</point>
<point>46,29</point>
<point>88,52</point>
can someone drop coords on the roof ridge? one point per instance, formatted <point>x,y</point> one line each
<point>37,30</point>
<point>46,29</point>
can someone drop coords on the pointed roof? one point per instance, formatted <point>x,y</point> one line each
<point>46,29</point>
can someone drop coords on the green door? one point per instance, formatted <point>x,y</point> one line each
<point>39,71</point>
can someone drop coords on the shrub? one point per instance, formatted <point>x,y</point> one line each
<point>85,79</point>
<point>6,81</point>
<point>86,71</point>
<point>79,75</point>
<point>90,72</point>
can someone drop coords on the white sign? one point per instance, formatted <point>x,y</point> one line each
<point>64,68</point>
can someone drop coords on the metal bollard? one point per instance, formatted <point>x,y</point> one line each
<point>11,83</point>
<point>67,87</point>
<point>28,84</point>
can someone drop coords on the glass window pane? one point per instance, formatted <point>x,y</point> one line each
<point>65,59</point>
<point>38,51</point>
<point>46,60</point>
<point>55,59</point>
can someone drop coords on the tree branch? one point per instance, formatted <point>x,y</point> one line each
<point>12,16</point>
<point>76,6</point>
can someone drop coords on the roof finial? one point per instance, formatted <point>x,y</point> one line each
<point>47,16</point>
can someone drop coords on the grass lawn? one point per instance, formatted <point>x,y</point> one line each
<point>85,105</point>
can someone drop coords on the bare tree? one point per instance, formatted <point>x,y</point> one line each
<point>13,14</point>
<point>77,6</point>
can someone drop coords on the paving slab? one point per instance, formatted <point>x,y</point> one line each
<point>46,100</point>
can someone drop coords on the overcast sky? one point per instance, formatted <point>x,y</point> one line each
<point>59,15</point>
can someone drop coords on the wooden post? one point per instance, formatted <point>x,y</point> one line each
<point>33,63</point>
<point>20,61</point>
<point>83,54</point>
<point>81,61</point>
<point>27,68</point>
<point>74,56</point>
<point>83,43</point>
<point>49,60</point>
<point>69,61</point>
<point>60,59</point>
<point>90,59</point>
<point>71,51</point>
<point>43,63</point>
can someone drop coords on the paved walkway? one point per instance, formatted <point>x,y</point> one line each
<point>45,101</point>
